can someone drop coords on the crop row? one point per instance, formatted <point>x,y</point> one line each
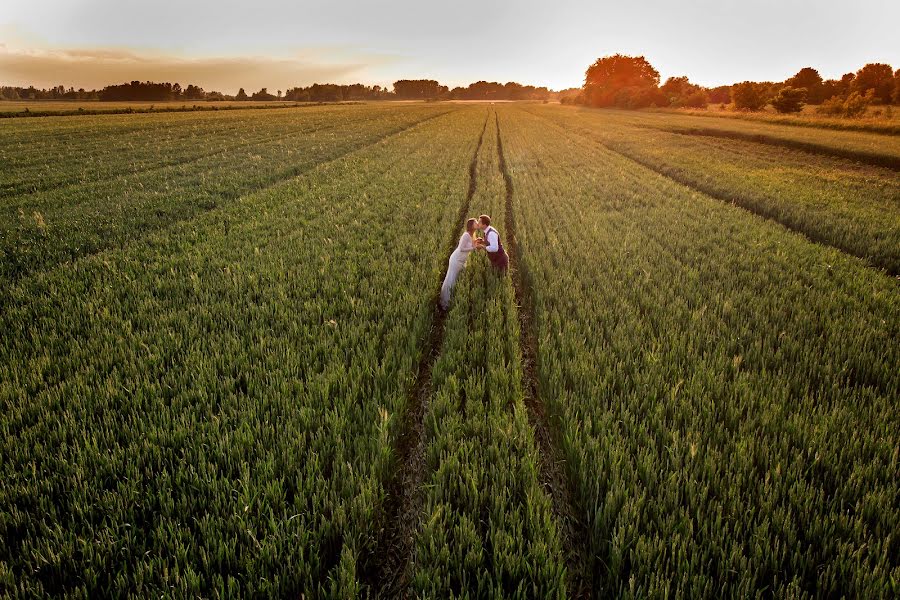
<point>35,159</point>
<point>872,148</point>
<point>725,390</point>
<point>212,411</point>
<point>853,207</point>
<point>43,229</point>
<point>486,529</point>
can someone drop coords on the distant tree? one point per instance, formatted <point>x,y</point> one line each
<point>747,95</point>
<point>697,99</point>
<point>241,95</point>
<point>897,86</point>
<point>571,96</point>
<point>720,94</point>
<point>854,105</point>
<point>263,95</point>
<point>857,103</point>
<point>624,81</point>
<point>193,92</point>
<point>677,90</point>
<point>176,91</point>
<point>418,89</point>
<point>297,95</point>
<point>279,94</point>
<point>789,99</point>
<point>810,80</point>
<point>137,90</point>
<point>325,92</point>
<point>878,77</point>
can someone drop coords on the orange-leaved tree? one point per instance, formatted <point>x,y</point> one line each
<point>623,81</point>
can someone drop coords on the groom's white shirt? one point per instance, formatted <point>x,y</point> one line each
<point>493,239</point>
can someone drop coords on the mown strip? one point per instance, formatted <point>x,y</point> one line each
<point>211,412</point>
<point>391,560</point>
<point>726,389</point>
<point>553,477</point>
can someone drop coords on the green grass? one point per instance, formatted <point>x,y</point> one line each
<point>871,148</point>
<point>212,324</point>
<point>876,119</point>
<point>850,206</point>
<point>487,528</point>
<point>726,390</point>
<point>137,187</point>
<point>214,414</point>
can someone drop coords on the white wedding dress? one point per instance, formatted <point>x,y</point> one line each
<point>457,264</point>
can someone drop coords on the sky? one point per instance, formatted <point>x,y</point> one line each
<point>281,44</point>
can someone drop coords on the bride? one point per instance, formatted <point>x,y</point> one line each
<point>467,244</point>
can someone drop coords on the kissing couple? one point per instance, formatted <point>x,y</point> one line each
<point>489,242</point>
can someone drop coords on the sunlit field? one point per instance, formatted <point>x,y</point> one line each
<point>223,372</point>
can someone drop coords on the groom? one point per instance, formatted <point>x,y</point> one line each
<point>496,254</point>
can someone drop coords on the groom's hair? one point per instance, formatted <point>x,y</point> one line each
<point>485,220</point>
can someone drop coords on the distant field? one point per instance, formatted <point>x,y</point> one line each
<point>878,119</point>
<point>65,106</point>
<point>223,374</point>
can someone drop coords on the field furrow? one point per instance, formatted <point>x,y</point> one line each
<point>553,476</point>
<point>224,373</point>
<point>392,555</point>
<point>110,153</point>
<point>871,148</point>
<point>54,227</point>
<point>726,390</point>
<point>851,207</point>
<point>216,412</point>
<point>487,527</point>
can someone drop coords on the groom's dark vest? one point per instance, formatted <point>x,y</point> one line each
<point>499,259</point>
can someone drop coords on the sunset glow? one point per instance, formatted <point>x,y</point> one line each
<point>279,44</point>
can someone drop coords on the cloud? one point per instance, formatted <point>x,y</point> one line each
<point>97,67</point>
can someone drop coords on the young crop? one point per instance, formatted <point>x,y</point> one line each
<point>725,389</point>
<point>486,528</point>
<point>212,411</point>
<point>141,189</point>
<point>853,207</point>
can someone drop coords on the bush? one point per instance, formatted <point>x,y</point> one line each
<point>833,106</point>
<point>854,105</point>
<point>698,99</point>
<point>789,100</point>
<point>747,96</point>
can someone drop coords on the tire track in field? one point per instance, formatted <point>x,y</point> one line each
<point>734,200</point>
<point>138,233</point>
<point>391,564</point>
<point>870,158</point>
<point>21,190</point>
<point>711,192</point>
<point>576,549</point>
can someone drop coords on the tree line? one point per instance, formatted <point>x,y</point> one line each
<point>632,82</point>
<point>403,89</point>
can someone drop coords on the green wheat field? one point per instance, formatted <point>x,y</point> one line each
<point>223,374</point>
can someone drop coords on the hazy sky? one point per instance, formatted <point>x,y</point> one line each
<point>279,44</point>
